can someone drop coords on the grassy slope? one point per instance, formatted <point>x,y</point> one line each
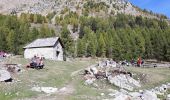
<point>58,74</point>
<point>55,74</point>
<point>155,76</point>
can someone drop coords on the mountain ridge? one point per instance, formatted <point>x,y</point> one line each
<point>43,7</point>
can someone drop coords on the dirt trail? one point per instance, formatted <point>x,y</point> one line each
<point>76,72</point>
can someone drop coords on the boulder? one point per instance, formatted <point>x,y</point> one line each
<point>89,81</point>
<point>124,81</point>
<point>122,96</point>
<point>168,85</point>
<point>4,75</point>
<point>149,95</point>
<point>92,70</point>
<point>113,64</point>
<point>102,94</point>
<point>135,95</point>
<point>168,97</point>
<point>163,88</point>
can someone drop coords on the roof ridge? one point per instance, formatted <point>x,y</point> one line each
<point>43,42</point>
<point>48,37</point>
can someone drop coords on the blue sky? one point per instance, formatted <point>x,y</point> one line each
<point>158,6</point>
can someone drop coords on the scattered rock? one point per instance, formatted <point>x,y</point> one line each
<point>95,85</point>
<point>119,77</point>
<point>69,89</point>
<point>48,90</point>
<point>89,81</point>
<point>111,71</point>
<point>63,89</point>
<point>149,95</point>
<point>168,97</point>
<point>112,90</point>
<point>5,76</point>
<point>135,94</point>
<point>113,94</point>
<point>102,94</point>
<point>122,97</point>
<point>17,93</point>
<point>123,91</point>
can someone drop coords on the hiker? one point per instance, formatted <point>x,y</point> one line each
<point>132,62</point>
<point>139,62</point>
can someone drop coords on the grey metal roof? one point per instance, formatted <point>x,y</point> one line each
<point>44,42</point>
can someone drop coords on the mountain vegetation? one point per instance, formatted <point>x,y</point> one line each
<point>16,32</point>
<point>118,37</point>
<point>106,28</point>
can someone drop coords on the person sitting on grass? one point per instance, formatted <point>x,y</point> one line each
<point>34,61</point>
<point>41,63</point>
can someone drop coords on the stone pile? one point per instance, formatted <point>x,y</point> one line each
<point>113,73</point>
<point>150,94</point>
<point>145,95</point>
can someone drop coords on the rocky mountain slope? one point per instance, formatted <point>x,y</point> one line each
<point>94,7</point>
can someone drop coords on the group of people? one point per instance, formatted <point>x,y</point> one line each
<point>139,62</point>
<point>36,62</point>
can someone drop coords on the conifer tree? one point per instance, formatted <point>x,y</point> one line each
<point>91,47</point>
<point>101,50</point>
<point>35,19</point>
<point>11,41</point>
<point>81,47</point>
<point>67,41</point>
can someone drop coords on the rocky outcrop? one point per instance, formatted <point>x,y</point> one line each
<point>124,81</point>
<point>112,72</point>
<point>47,6</point>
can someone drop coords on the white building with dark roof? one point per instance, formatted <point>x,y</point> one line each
<point>49,48</point>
